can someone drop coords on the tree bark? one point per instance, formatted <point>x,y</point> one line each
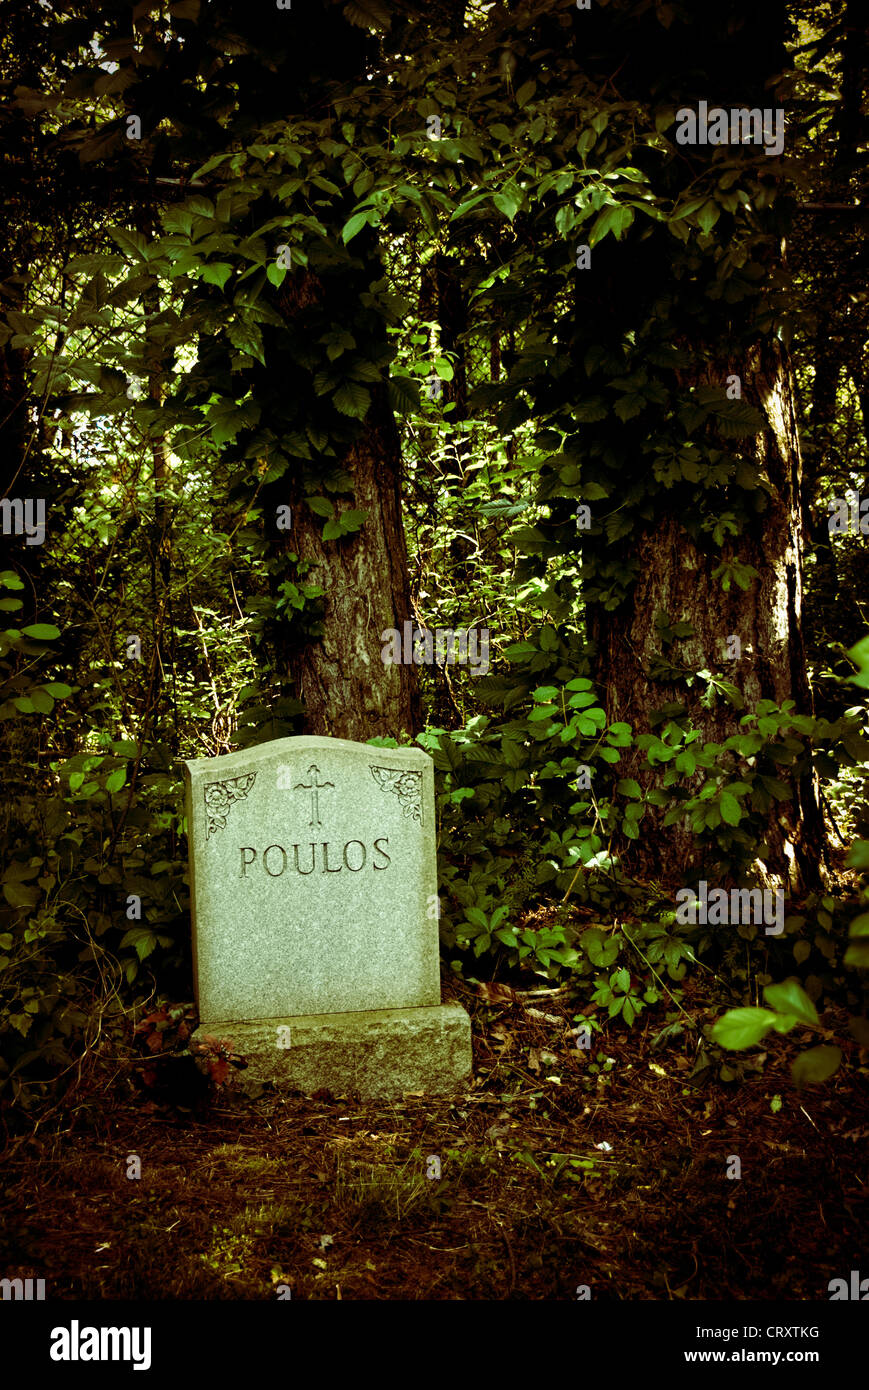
<point>347,689</point>
<point>675,576</point>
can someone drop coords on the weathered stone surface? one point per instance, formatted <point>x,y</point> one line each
<point>314,891</point>
<point>376,1055</point>
<point>313,879</point>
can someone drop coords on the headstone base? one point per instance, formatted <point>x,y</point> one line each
<point>377,1055</point>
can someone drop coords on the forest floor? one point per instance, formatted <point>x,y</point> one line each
<point>559,1169</point>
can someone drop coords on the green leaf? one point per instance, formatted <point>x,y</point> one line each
<point>508,203</point>
<point>468,205</point>
<point>356,223</point>
<point>321,506</point>
<point>588,412</point>
<point>789,997</point>
<point>858,854</point>
<point>626,407</point>
<point>352,399</point>
<point>116,780</point>
<point>857,955</point>
<point>247,338</point>
<point>217,273</point>
<point>612,219</point>
<point>685,209</point>
<point>742,1027</point>
<point>738,418</point>
<point>860,656</point>
<point>783,1023</point>
<point>816,1065</point>
<point>367,14</point>
<point>543,712</point>
<point>730,809</point>
<point>21,895</point>
<point>142,939</point>
<point>708,216</point>
<point>404,395</point>
<point>41,632</point>
<point>133,244</point>
<point>526,92</point>
<point>857,1027</point>
<point>42,701</point>
<point>451,752</point>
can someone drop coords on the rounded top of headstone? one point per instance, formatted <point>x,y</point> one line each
<point>301,744</point>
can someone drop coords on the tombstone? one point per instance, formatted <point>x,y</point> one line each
<point>312,870</point>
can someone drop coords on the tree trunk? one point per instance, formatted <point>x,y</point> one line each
<point>331,655</point>
<point>825,609</point>
<point>675,577</point>
<point>347,689</point>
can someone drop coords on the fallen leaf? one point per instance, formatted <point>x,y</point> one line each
<point>495,993</point>
<point>495,1132</point>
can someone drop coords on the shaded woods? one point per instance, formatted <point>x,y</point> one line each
<point>328,329</point>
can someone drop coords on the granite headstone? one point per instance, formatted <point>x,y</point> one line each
<point>314,892</point>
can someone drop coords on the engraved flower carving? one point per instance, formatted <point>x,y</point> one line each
<point>219,796</point>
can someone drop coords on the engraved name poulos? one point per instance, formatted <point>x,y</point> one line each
<point>305,859</point>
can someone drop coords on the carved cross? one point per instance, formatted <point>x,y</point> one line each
<point>314,787</point>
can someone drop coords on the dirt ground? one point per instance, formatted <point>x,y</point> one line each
<point>560,1170</point>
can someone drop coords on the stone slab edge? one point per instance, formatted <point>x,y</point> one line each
<point>378,1054</point>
